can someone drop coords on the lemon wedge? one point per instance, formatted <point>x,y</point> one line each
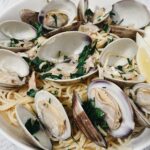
<point>143,57</point>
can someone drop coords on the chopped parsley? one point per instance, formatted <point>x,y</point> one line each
<point>129,61</point>
<point>96,115</point>
<point>112,75</point>
<point>109,41</point>
<point>111,14</point>
<point>55,19</point>
<point>66,57</point>
<point>87,51</point>
<point>36,62</point>
<point>13,42</point>
<point>50,75</point>
<point>39,29</point>
<point>89,14</point>
<point>120,68</point>
<point>33,126</point>
<point>31,93</point>
<point>55,93</point>
<point>105,27</point>
<point>59,54</point>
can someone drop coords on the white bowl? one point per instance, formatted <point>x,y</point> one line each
<point>15,135</point>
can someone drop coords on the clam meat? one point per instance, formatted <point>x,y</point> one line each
<point>16,36</point>
<point>119,62</point>
<point>140,100</point>
<point>33,128</point>
<point>107,111</point>
<point>13,70</point>
<point>57,14</point>
<point>52,115</point>
<point>96,15</point>
<point>71,58</point>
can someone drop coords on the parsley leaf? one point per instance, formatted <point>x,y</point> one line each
<point>89,14</point>
<point>50,75</point>
<point>36,62</point>
<point>55,19</point>
<point>106,27</point>
<point>87,51</point>
<point>129,61</point>
<point>119,68</point>
<point>96,115</point>
<point>31,93</point>
<point>33,126</point>
<point>13,42</point>
<point>39,29</point>
<point>112,14</point>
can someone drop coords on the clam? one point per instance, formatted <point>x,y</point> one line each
<point>129,13</point>
<point>64,50</point>
<point>33,129</point>
<point>84,123</point>
<point>140,101</point>
<point>57,14</point>
<point>16,36</point>
<point>13,69</point>
<point>53,115</point>
<point>113,104</point>
<point>96,15</point>
<point>119,64</point>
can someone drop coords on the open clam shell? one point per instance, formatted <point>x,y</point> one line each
<point>130,12</point>
<point>57,14</point>
<point>109,97</point>
<point>119,53</point>
<point>95,15</point>
<point>69,44</point>
<point>39,137</point>
<point>84,123</point>
<point>53,115</point>
<point>141,103</point>
<point>16,35</point>
<point>12,69</point>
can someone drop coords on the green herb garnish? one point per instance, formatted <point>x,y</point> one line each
<point>31,93</point>
<point>55,93</point>
<point>36,62</point>
<point>66,57</point>
<point>129,61</point>
<point>89,14</point>
<point>96,115</point>
<point>106,27</point>
<point>111,14</point>
<point>39,29</point>
<point>50,75</point>
<point>120,68</point>
<point>55,19</point>
<point>33,126</point>
<point>87,51</point>
<point>112,75</point>
<point>13,42</point>
<point>59,54</point>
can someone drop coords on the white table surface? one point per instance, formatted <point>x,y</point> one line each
<point>4,143</point>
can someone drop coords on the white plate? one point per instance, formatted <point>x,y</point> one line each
<point>10,11</point>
